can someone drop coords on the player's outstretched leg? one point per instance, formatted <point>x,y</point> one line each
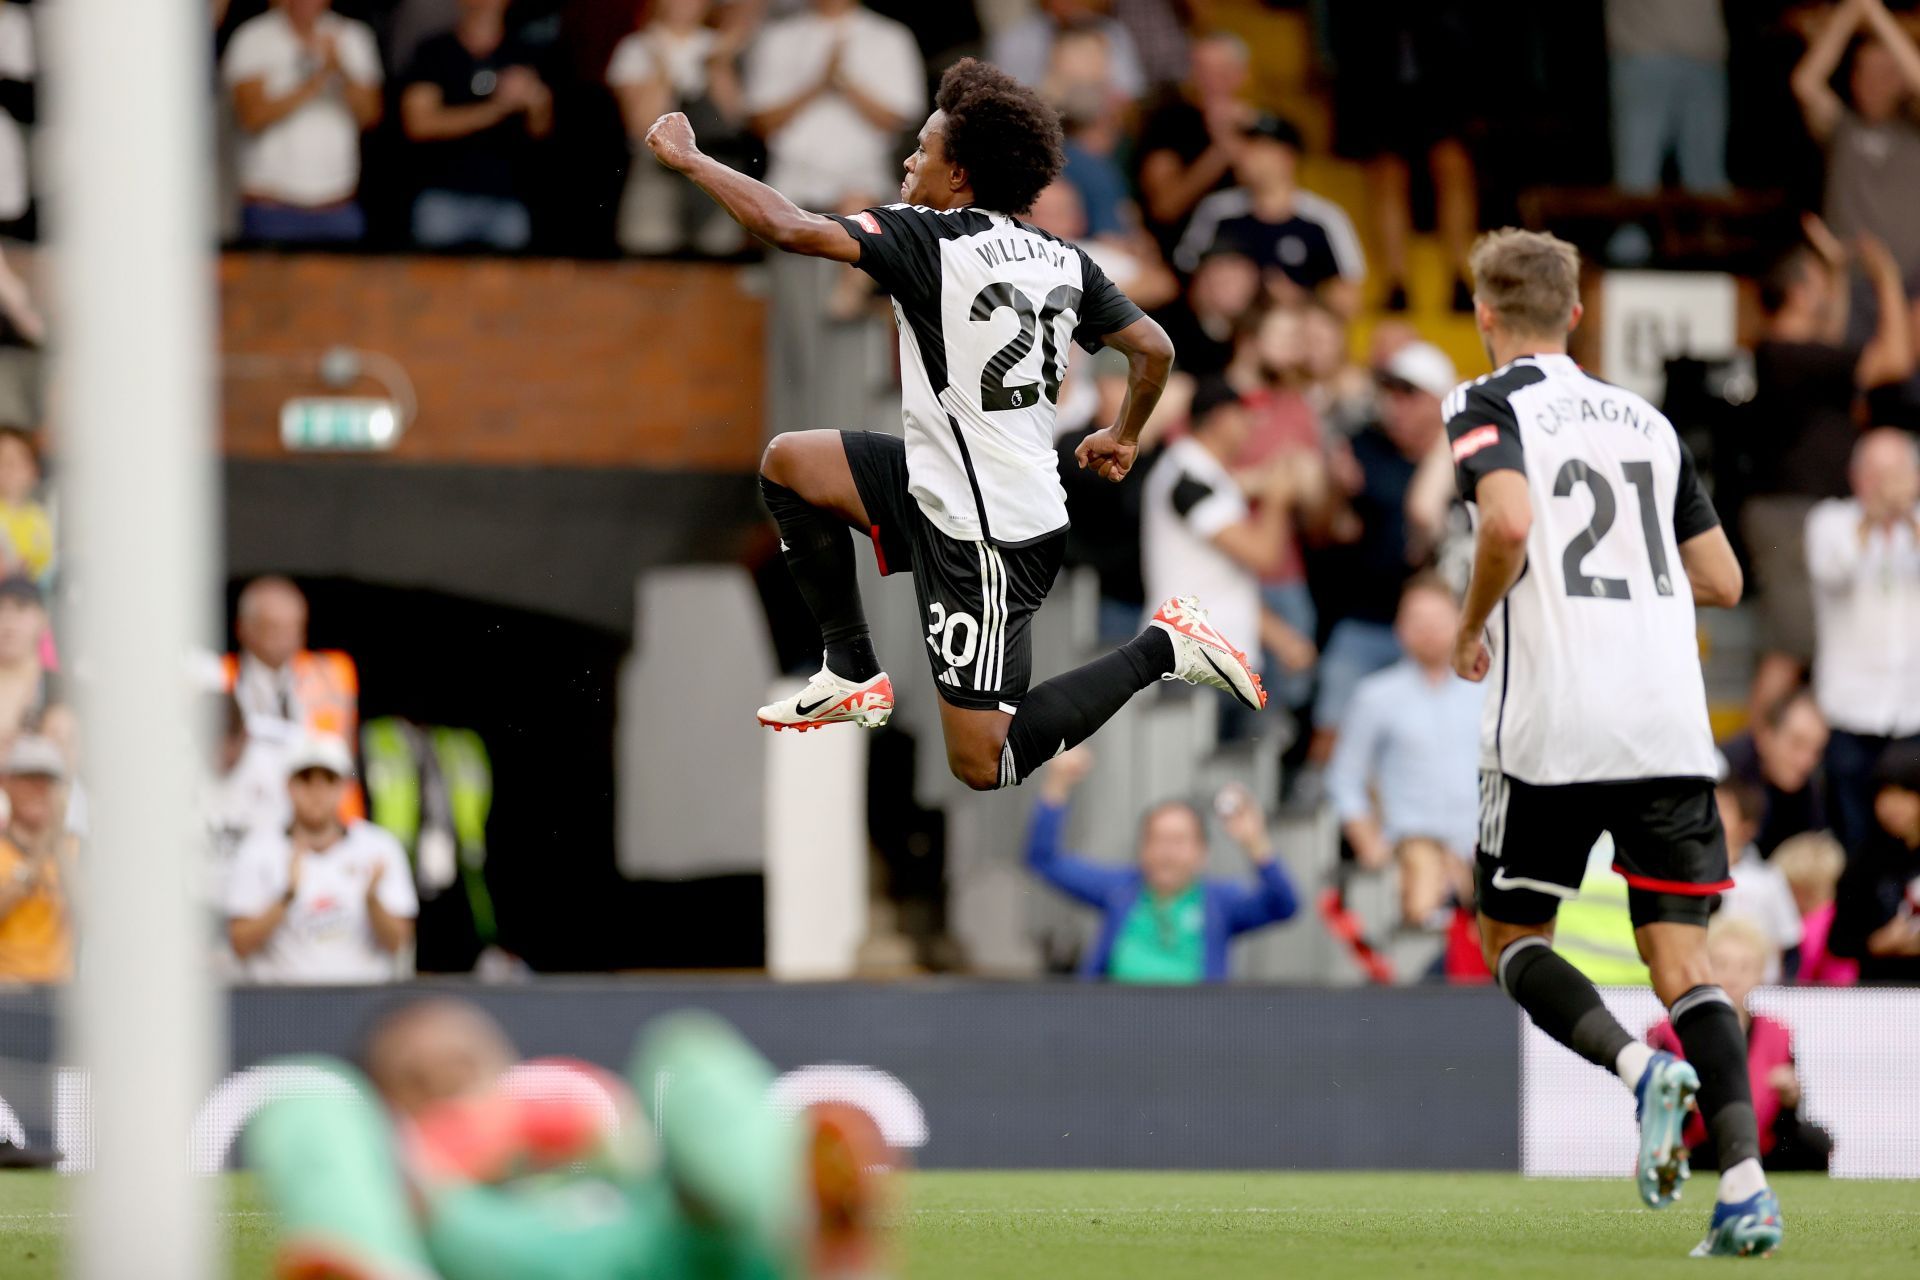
<point>809,489</point>
<point>1563,1003</point>
<point>1179,644</point>
<point>1746,1214</point>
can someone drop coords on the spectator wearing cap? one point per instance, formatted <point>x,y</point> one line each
<point>1302,242</point>
<point>1208,532</point>
<point>322,901</point>
<point>1876,918</point>
<point>1863,555</point>
<point>1372,549</point>
<point>1024,49</point>
<point>36,924</point>
<point>26,687</point>
<point>1781,756</point>
<point>305,84</point>
<point>1403,780</point>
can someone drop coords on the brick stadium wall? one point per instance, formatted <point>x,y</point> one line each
<point>542,363</point>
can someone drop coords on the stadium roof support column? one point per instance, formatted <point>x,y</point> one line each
<point>131,244</point>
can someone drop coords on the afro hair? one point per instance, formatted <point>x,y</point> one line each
<point>1002,133</point>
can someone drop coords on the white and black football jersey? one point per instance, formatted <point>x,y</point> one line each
<point>986,306</point>
<point>1596,664</point>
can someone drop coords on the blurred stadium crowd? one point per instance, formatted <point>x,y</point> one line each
<point>1291,189</point>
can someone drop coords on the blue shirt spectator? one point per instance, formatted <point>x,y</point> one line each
<point>1403,777</point>
<point>1161,920</point>
<point>1103,189</point>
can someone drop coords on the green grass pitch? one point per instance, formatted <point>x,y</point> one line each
<point>1224,1226</point>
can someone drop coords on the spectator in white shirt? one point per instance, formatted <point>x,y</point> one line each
<point>1863,554</point>
<point>305,84</point>
<point>321,902</point>
<point>1760,893</point>
<point>1202,535</point>
<point>679,63</point>
<point>830,90</point>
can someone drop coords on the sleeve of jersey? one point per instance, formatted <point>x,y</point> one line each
<point>1485,437</point>
<point>1693,512</point>
<point>1103,308</point>
<point>899,248</point>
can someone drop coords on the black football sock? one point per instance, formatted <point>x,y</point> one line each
<point>1709,1030</point>
<point>1561,1001</point>
<point>819,554</point>
<point>1064,711</point>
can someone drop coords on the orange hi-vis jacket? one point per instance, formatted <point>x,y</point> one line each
<point>328,686</point>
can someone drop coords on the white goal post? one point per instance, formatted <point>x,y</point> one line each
<point>128,204</point>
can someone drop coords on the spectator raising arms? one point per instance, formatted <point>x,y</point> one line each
<point>678,63</point>
<point>1303,243</point>
<point>1808,382</point>
<point>1161,921</point>
<point>305,84</point>
<point>1872,142</point>
<point>320,901</point>
<point>474,103</point>
<point>1864,556</point>
<point>1740,954</point>
<point>1402,779</point>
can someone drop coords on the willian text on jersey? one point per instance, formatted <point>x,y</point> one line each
<point>986,306</point>
<point>1596,663</point>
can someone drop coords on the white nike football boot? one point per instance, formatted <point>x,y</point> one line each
<point>828,699</point>
<point>1202,655</point>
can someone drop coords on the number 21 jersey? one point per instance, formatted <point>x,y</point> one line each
<point>1596,664</point>
<point>986,306</point>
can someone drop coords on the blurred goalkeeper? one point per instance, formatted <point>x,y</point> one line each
<point>449,1159</point>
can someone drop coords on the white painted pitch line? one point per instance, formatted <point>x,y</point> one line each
<point>1098,1211</point>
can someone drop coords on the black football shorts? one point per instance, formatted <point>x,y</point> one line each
<point>977,599</point>
<point>1534,841</point>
